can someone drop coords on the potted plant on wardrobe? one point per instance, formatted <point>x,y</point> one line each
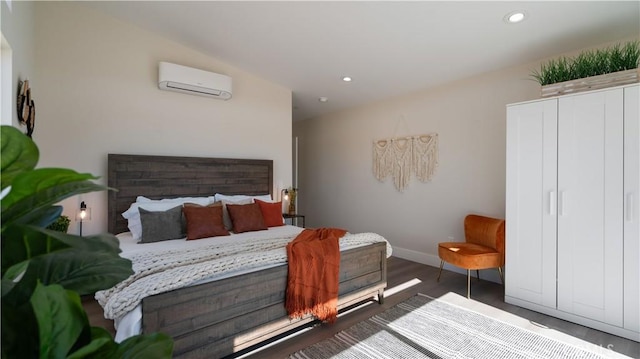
<point>44,271</point>
<point>590,70</point>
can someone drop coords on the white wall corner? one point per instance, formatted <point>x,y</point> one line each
<point>6,78</point>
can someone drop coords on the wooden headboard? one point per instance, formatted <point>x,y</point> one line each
<point>159,177</point>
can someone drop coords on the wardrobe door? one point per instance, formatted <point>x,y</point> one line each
<point>531,202</point>
<point>590,202</point>
<point>631,209</point>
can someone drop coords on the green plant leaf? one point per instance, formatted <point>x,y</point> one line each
<point>60,317</point>
<point>81,271</point>
<point>30,182</point>
<point>39,189</point>
<point>105,242</point>
<point>19,154</point>
<point>7,286</point>
<point>42,218</point>
<point>157,345</point>
<point>26,243</point>
<point>19,331</point>
<point>101,346</point>
<point>20,243</point>
<point>16,270</point>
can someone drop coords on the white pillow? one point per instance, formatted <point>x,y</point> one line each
<point>209,199</point>
<point>236,197</point>
<point>132,215</point>
<point>264,198</point>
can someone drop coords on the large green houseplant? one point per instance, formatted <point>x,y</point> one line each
<point>44,272</point>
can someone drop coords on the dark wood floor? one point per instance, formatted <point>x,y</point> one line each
<point>401,271</point>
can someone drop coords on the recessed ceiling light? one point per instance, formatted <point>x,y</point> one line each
<point>515,17</point>
<point>323,99</point>
<point>347,79</point>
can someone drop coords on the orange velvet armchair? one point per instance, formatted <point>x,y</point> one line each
<point>483,247</point>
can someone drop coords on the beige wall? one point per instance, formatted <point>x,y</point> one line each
<point>97,93</point>
<point>18,31</point>
<point>95,87</point>
<point>337,186</point>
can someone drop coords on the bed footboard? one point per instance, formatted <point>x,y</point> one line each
<point>215,319</point>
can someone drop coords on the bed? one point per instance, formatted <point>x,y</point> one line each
<point>218,318</point>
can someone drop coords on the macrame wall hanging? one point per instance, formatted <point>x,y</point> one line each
<point>401,157</point>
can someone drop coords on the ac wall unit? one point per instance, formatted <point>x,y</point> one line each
<point>172,77</point>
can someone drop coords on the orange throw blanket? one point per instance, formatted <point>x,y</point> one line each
<point>313,278</point>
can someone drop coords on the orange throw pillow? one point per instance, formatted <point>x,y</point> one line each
<point>271,212</point>
<point>203,222</point>
<point>246,217</point>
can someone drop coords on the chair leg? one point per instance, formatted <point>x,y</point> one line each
<point>501,275</point>
<point>468,283</point>
<point>478,274</point>
<point>441,265</point>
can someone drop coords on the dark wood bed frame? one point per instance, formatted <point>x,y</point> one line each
<point>223,317</point>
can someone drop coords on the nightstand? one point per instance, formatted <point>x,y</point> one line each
<point>292,217</point>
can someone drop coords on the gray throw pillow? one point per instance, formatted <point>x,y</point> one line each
<point>161,226</point>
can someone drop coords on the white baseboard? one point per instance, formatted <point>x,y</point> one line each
<point>415,256</point>
<point>434,261</point>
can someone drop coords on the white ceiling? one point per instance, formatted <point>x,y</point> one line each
<point>389,48</point>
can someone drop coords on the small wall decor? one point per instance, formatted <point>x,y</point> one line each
<point>26,107</point>
<point>401,157</point>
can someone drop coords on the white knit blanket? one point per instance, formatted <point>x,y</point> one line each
<point>162,271</point>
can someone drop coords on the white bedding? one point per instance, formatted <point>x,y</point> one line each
<point>129,324</point>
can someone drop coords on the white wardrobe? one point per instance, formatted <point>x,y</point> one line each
<point>573,208</point>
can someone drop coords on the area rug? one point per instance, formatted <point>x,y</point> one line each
<point>425,327</point>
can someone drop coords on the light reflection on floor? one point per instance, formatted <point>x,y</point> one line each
<point>387,293</point>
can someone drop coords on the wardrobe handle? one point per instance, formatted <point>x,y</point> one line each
<point>552,207</point>
<point>561,203</point>
<point>629,207</point>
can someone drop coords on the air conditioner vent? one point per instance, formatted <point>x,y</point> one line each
<point>172,77</point>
